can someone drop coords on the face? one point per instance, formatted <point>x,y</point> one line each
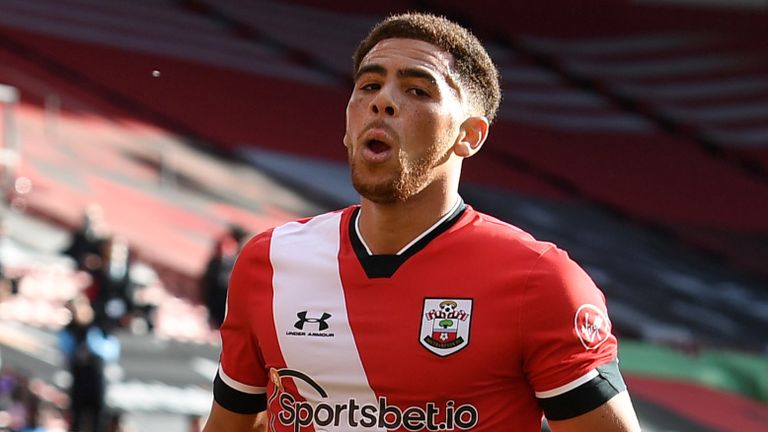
<point>403,118</point>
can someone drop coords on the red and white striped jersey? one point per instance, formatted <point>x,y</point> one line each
<point>473,326</point>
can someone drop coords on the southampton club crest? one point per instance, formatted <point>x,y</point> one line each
<point>445,325</point>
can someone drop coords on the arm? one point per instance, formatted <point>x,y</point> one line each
<point>571,356</point>
<point>223,420</point>
<point>239,387</point>
<point>616,415</point>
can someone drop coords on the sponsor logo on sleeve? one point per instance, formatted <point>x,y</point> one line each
<point>592,326</point>
<point>445,325</point>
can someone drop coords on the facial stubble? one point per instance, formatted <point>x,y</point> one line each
<point>409,178</point>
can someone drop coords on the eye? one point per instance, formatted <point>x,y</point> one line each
<point>418,92</point>
<point>370,86</point>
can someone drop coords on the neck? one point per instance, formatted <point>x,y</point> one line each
<point>387,228</point>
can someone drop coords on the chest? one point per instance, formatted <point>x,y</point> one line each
<point>429,329</point>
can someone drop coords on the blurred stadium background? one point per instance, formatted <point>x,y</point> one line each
<point>634,134</point>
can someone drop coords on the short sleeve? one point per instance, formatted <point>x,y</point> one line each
<point>240,383</point>
<point>569,351</point>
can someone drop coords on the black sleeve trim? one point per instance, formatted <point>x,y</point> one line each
<point>586,397</point>
<point>237,401</point>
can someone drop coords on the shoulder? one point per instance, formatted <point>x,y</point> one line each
<point>547,268</point>
<point>502,236</point>
<point>258,246</point>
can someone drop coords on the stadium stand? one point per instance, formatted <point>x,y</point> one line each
<point>692,73</point>
<point>611,150</point>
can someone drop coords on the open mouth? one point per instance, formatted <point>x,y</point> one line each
<point>377,146</point>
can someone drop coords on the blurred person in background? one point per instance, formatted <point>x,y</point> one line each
<point>19,405</point>
<point>16,400</point>
<point>34,414</point>
<point>113,289</point>
<point>361,318</point>
<point>87,349</point>
<point>215,280</point>
<point>87,242</point>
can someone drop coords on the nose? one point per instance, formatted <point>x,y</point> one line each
<point>384,103</point>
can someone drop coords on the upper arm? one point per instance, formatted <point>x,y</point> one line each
<point>616,415</point>
<point>241,381</point>
<point>224,420</point>
<point>569,352</point>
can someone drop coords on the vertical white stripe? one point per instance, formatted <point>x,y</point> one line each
<point>306,278</point>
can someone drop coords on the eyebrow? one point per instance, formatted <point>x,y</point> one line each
<point>378,69</point>
<point>416,73</point>
<point>373,68</point>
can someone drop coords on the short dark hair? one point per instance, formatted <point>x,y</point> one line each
<point>476,71</point>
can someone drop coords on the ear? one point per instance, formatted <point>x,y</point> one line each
<point>472,135</point>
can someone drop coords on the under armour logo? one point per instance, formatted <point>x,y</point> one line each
<point>322,325</point>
